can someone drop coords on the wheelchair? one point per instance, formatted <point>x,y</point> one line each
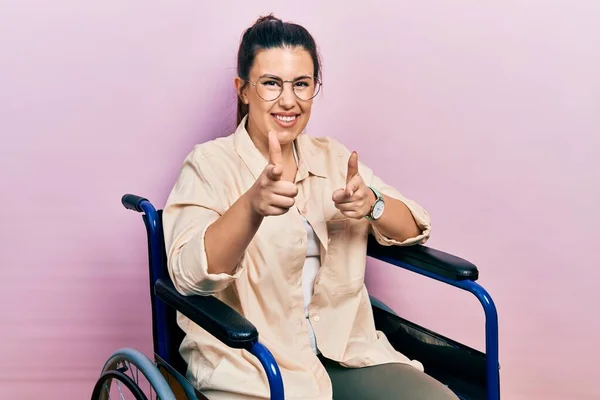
<point>469,373</point>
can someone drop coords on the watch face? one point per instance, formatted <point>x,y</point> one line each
<point>378,209</point>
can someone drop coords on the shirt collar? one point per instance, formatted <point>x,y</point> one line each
<point>311,153</point>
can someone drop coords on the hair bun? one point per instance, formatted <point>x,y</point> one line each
<point>267,18</point>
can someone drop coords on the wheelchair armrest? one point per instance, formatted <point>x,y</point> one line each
<point>210,313</point>
<point>424,260</point>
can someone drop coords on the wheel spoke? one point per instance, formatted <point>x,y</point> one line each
<point>121,397</point>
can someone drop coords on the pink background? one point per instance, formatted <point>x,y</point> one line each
<point>488,113</point>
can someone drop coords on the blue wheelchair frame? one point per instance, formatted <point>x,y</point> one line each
<point>235,331</point>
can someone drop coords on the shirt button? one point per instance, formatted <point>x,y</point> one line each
<point>316,318</point>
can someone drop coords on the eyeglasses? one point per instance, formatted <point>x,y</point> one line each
<point>270,87</point>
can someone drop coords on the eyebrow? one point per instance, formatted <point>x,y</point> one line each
<point>277,77</point>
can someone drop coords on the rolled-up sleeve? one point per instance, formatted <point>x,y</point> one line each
<point>194,203</point>
<point>419,214</point>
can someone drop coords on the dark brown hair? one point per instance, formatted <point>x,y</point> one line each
<point>270,32</point>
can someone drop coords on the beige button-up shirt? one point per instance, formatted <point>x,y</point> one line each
<point>266,286</point>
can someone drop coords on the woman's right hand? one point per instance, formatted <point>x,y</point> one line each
<point>270,195</point>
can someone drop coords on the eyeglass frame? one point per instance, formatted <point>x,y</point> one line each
<point>275,77</point>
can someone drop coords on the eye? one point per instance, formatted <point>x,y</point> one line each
<point>302,84</point>
<point>270,82</point>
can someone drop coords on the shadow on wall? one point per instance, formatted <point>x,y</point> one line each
<point>209,113</point>
<point>120,266</point>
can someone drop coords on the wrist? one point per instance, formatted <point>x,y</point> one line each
<point>371,199</point>
<point>248,201</point>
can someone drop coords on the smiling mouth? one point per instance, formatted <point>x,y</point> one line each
<point>285,118</point>
<point>285,121</point>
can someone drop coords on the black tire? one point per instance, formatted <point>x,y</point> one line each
<point>117,376</point>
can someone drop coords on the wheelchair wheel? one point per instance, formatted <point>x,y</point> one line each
<point>128,374</point>
<point>103,386</point>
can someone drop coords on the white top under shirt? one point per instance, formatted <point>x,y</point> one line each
<point>312,263</point>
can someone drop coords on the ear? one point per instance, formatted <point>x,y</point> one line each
<point>241,89</point>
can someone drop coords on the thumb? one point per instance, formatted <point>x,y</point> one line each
<point>351,187</point>
<point>352,166</point>
<point>275,157</point>
<point>274,172</point>
<point>338,196</point>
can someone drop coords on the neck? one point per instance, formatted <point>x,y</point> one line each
<point>261,141</point>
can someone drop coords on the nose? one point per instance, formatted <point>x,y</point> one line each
<point>287,98</point>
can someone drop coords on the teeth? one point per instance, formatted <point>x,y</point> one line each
<point>286,119</point>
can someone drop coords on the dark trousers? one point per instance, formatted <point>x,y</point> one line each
<point>387,381</point>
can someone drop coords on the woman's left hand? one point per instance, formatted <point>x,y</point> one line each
<point>356,199</point>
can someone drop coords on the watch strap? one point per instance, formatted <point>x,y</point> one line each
<point>378,197</point>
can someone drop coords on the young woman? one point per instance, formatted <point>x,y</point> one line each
<point>274,222</point>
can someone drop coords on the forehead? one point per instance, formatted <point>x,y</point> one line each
<point>284,62</point>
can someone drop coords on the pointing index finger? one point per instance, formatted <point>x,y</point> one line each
<point>352,166</point>
<point>275,157</point>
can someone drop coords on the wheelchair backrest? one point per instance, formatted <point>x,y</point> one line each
<point>166,334</point>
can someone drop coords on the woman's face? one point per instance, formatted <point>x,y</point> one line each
<point>288,114</point>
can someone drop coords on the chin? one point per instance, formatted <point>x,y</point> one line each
<point>286,136</point>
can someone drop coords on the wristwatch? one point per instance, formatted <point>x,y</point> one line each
<point>377,207</point>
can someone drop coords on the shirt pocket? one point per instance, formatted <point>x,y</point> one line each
<point>344,233</point>
<point>345,272</point>
<point>348,288</point>
<point>337,235</point>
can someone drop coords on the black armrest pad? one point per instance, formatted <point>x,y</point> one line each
<point>422,258</point>
<point>210,313</point>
